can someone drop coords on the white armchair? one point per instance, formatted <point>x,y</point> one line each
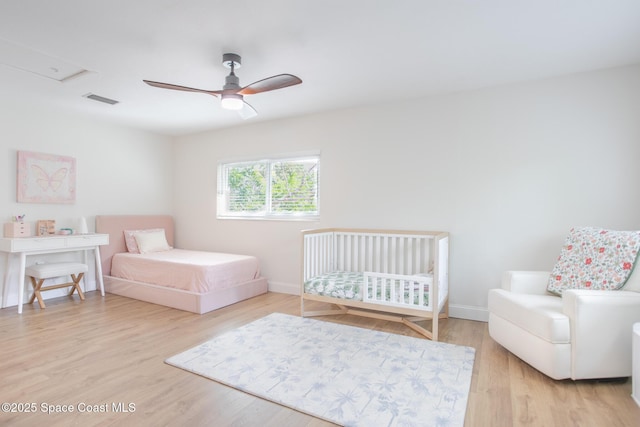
<point>583,334</point>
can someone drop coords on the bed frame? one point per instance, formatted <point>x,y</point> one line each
<point>385,257</point>
<point>200,303</point>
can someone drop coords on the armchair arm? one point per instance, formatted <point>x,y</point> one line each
<point>526,282</point>
<point>601,325</point>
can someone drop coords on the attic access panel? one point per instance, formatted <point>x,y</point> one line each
<point>33,61</point>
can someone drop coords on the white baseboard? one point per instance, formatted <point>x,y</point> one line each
<point>469,312</point>
<point>466,312</point>
<point>284,288</point>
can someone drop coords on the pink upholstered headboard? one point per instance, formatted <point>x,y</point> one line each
<point>114,225</point>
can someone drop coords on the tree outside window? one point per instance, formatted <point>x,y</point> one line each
<point>280,188</point>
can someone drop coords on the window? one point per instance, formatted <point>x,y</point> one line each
<point>283,188</point>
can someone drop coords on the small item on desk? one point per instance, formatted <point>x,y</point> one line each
<point>46,227</point>
<point>82,226</point>
<point>65,231</point>
<point>17,229</point>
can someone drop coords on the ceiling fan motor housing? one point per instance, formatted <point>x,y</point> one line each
<point>232,82</point>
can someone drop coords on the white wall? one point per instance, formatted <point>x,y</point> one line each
<point>507,171</point>
<point>119,171</point>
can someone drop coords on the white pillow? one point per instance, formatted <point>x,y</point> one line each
<point>152,241</point>
<point>130,238</point>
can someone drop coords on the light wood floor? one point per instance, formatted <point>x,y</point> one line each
<point>107,352</point>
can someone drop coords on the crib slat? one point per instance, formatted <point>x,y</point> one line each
<point>392,257</point>
<point>392,293</point>
<point>314,263</point>
<point>401,242</point>
<point>378,254</point>
<point>341,251</point>
<point>411,292</point>
<point>332,253</point>
<point>362,253</point>
<point>416,252</point>
<point>323,248</point>
<point>355,252</point>
<point>321,253</point>
<point>410,254</point>
<point>309,259</point>
<point>385,254</point>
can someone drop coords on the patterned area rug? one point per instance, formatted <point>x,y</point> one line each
<point>343,374</point>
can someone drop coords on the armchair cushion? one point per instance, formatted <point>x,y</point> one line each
<point>593,258</point>
<point>539,315</point>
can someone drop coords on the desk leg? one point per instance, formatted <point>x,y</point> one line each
<point>23,266</point>
<point>99,269</point>
<point>5,290</point>
<point>84,276</point>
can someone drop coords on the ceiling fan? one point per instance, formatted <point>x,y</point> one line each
<point>232,94</point>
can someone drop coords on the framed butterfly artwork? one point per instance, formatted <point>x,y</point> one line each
<point>46,178</point>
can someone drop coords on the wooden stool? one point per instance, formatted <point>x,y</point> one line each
<point>40,272</point>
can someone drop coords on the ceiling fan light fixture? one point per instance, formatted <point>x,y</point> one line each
<point>232,101</point>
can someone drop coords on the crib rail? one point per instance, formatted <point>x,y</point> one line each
<point>393,252</point>
<point>398,290</point>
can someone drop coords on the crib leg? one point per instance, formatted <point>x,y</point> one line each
<point>419,329</point>
<point>434,327</point>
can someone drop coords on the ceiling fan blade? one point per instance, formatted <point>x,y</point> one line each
<point>247,111</point>
<point>270,83</point>
<point>182,88</point>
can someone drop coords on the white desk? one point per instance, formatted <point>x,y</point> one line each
<point>20,247</point>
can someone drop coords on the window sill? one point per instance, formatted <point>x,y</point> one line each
<point>270,218</point>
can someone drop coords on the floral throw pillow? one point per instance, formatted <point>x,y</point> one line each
<point>593,258</point>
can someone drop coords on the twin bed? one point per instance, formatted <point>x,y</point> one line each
<point>194,281</point>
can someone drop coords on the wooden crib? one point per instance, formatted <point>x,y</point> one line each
<point>401,276</point>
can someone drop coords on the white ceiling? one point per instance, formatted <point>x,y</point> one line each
<point>347,52</point>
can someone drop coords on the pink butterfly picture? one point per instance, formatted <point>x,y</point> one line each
<point>45,178</point>
<point>49,182</point>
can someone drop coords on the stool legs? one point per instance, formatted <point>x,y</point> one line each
<point>76,285</point>
<point>37,288</point>
<point>37,285</point>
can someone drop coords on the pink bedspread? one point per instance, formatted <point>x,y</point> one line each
<point>194,271</point>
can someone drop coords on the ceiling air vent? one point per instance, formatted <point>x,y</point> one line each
<point>101,99</point>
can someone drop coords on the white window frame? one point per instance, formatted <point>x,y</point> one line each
<point>222,213</point>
